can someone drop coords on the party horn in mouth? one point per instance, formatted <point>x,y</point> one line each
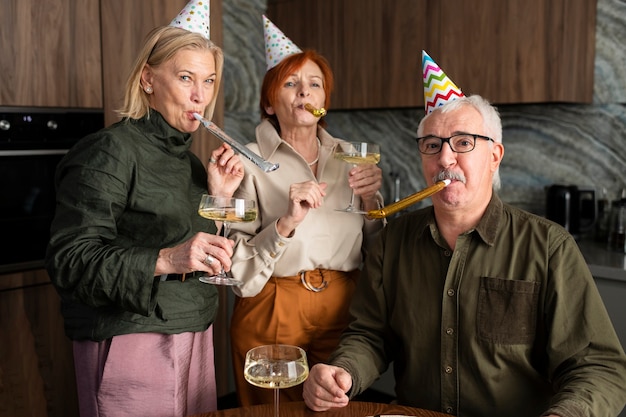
<point>256,159</point>
<point>315,112</point>
<point>407,201</point>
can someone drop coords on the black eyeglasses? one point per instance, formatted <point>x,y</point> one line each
<point>461,143</point>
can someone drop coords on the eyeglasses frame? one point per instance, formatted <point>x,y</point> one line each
<point>447,140</point>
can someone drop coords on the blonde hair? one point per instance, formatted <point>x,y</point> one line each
<point>161,45</point>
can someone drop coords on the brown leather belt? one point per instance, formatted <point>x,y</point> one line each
<point>326,276</point>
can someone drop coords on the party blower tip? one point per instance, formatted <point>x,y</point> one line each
<point>408,201</point>
<point>315,112</point>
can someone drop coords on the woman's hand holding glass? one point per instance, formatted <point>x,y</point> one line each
<point>192,255</point>
<point>365,181</point>
<point>225,210</point>
<point>363,178</point>
<point>204,251</point>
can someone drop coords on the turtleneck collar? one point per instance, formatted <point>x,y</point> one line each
<point>156,129</point>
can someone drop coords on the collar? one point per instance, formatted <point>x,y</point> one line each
<point>272,141</point>
<point>156,129</point>
<point>487,227</point>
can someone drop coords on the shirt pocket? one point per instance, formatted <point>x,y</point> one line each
<point>507,310</point>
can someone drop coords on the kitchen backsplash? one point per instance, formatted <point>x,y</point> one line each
<point>583,145</point>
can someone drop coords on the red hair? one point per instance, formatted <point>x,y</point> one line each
<point>275,78</point>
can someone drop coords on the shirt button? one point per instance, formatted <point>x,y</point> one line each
<point>449,410</point>
<point>449,331</point>
<point>447,253</point>
<point>272,254</point>
<point>281,244</point>
<point>448,369</point>
<point>451,292</point>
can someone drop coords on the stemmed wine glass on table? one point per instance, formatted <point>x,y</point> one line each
<point>276,367</point>
<point>356,153</point>
<point>226,210</point>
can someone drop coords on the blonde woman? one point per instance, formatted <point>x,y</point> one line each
<point>127,244</point>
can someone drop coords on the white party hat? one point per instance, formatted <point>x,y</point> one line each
<point>438,88</point>
<point>195,17</point>
<point>277,45</point>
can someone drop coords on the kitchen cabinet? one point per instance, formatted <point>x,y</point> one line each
<point>515,51</point>
<point>50,53</point>
<point>36,364</point>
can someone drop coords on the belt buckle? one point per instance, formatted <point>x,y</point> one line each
<point>310,286</point>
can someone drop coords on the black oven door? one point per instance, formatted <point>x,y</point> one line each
<point>32,142</point>
<point>26,207</point>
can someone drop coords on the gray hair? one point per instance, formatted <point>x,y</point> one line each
<point>491,122</point>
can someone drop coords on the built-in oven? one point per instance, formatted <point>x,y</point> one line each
<point>32,142</point>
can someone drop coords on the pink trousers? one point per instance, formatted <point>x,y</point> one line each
<point>146,374</point>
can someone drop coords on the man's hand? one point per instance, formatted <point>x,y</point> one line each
<point>326,387</point>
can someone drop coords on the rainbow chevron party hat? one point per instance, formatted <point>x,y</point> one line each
<point>277,45</point>
<point>195,17</point>
<point>438,88</point>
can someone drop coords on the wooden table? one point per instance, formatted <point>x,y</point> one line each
<point>299,409</point>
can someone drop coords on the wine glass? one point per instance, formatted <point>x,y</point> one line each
<point>227,210</point>
<point>357,153</point>
<point>276,367</point>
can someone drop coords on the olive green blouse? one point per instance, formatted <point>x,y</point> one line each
<point>124,193</point>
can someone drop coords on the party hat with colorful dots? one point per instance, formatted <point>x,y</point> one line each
<point>195,17</point>
<point>277,45</point>
<point>438,88</point>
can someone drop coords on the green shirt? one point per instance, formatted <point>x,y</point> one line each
<point>509,324</point>
<point>124,193</point>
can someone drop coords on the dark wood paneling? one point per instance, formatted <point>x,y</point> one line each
<point>50,53</point>
<point>516,51</point>
<point>36,364</point>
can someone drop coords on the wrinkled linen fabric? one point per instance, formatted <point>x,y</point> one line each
<point>146,374</point>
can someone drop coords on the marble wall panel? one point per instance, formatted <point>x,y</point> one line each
<point>583,145</point>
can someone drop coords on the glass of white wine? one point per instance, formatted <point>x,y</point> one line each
<point>356,153</point>
<point>226,210</point>
<point>276,367</point>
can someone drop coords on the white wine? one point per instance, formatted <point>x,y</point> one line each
<point>276,373</point>
<point>228,214</point>
<point>357,158</point>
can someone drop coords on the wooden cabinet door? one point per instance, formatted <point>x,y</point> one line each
<point>517,51</point>
<point>36,363</point>
<point>50,53</point>
<point>513,51</point>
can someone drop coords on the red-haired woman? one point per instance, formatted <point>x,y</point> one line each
<point>300,259</point>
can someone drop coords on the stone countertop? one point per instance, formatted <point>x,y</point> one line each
<point>603,263</point>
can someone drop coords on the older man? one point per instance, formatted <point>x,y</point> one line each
<point>484,309</point>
